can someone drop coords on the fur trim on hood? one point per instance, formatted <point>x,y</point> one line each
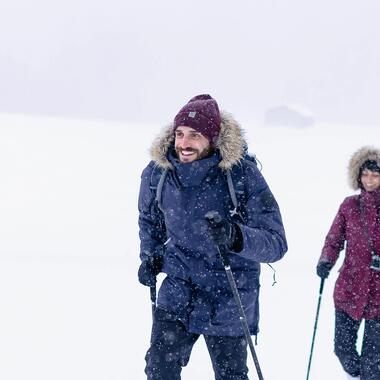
<point>231,143</point>
<point>357,160</point>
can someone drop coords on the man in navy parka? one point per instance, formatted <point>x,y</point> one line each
<point>195,298</point>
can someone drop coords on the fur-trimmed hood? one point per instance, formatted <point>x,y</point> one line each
<point>357,160</point>
<point>231,143</point>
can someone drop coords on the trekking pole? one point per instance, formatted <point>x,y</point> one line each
<point>214,217</point>
<point>315,326</point>
<point>153,298</point>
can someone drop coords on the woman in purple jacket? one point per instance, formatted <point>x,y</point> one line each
<point>357,290</point>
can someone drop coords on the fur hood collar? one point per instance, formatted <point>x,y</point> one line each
<point>231,143</point>
<point>357,160</point>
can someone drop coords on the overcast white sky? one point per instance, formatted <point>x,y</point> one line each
<point>141,60</point>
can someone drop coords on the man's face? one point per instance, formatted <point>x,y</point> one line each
<point>190,145</point>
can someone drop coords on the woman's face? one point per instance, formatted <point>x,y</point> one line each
<point>370,180</point>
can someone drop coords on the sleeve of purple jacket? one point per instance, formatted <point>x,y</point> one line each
<point>334,242</point>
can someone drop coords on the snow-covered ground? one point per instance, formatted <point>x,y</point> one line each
<point>70,304</point>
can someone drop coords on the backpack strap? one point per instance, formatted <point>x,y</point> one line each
<point>237,203</point>
<point>231,189</point>
<point>237,188</point>
<point>159,188</point>
<point>157,179</point>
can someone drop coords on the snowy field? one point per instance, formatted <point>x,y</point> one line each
<point>71,307</point>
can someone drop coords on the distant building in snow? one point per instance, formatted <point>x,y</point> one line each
<point>288,115</point>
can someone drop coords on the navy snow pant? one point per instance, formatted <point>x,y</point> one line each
<point>171,347</point>
<point>367,365</point>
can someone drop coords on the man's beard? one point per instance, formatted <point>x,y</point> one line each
<point>199,154</point>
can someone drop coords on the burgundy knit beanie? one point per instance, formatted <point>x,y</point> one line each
<point>202,114</point>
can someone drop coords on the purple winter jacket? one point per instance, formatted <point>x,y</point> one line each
<point>357,289</point>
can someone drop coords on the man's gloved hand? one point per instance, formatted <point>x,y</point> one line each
<point>222,232</point>
<point>324,268</point>
<point>148,271</point>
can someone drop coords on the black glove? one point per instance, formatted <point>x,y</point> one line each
<point>148,271</point>
<point>222,232</point>
<point>324,268</point>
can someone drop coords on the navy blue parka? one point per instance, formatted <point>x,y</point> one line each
<point>196,289</point>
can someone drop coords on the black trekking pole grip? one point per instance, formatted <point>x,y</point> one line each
<point>214,219</point>
<point>315,326</point>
